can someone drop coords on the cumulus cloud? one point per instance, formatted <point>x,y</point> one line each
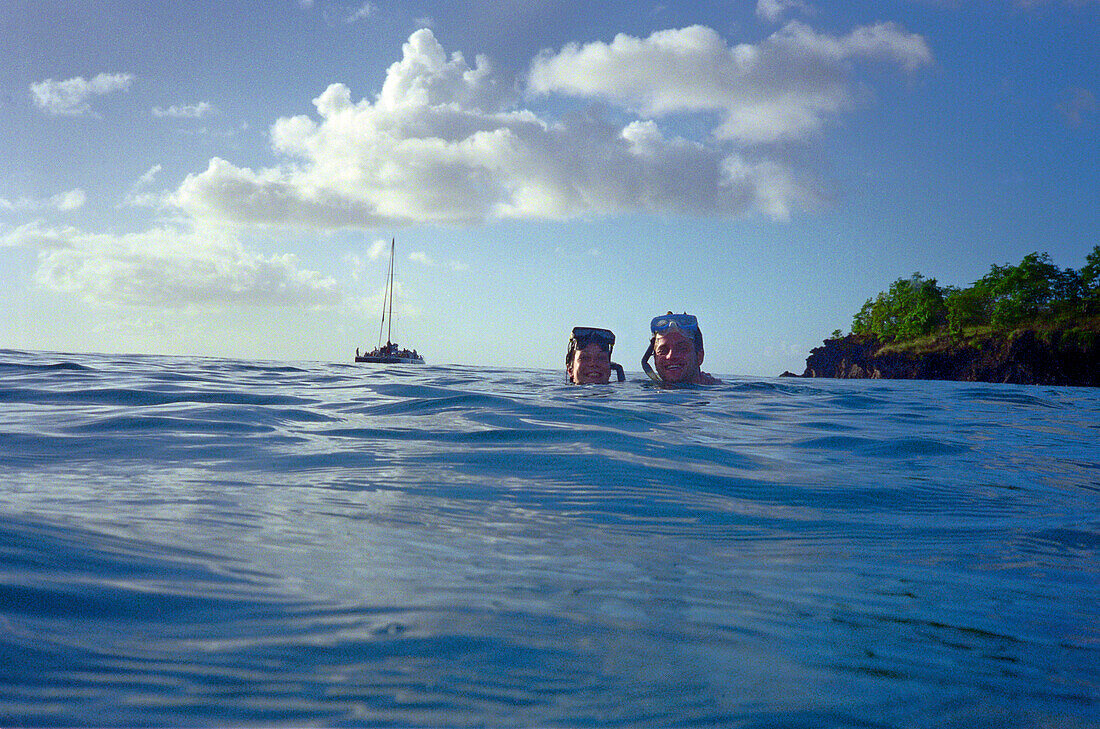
<point>185,111</point>
<point>774,10</point>
<point>784,88</point>
<point>445,141</point>
<point>71,96</point>
<point>62,202</point>
<point>168,267</point>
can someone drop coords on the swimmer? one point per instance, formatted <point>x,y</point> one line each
<point>677,349</point>
<point>588,358</point>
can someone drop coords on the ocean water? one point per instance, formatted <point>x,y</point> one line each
<point>209,542</point>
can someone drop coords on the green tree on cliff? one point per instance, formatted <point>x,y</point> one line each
<point>1005,298</point>
<point>1089,276</point>
<point>1019,293</point>
<point>913,307</point>
<point>970,307</point>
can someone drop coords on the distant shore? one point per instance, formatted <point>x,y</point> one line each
<point>1029,324</point>
<point>1026,357</point>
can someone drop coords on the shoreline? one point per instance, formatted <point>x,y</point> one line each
<point>1023,357</point>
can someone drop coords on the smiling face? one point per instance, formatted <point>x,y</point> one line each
<point>676,358</point>
<point>590,365</point>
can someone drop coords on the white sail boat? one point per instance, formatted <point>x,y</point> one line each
<point>389,353</point>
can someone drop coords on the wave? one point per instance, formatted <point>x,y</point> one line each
<point>221,542</point>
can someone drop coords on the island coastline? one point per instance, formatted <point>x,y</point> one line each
<point>1030,324</point>
<point>1024,357</point>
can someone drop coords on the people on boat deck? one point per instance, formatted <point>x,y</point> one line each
<point>588,356</point>
<point>676,346</point>
<point>390,350</point>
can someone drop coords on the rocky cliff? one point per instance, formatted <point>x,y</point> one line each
<point>1023,357</point>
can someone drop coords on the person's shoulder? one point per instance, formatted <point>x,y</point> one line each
<point>706,378</point>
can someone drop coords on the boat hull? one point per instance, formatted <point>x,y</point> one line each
<point>388,359</point>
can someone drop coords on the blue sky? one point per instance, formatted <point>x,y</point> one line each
<point>216,178</point>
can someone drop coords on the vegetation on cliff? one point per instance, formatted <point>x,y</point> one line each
<point>1029,323</point>
<point>1035,294</point>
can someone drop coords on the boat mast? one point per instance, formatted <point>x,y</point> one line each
<point>387,302</point>
<point>389,329</point>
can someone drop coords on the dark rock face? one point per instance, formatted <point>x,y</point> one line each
<point>1023,357</point>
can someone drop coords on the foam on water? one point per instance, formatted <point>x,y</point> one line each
<point>198,542</point>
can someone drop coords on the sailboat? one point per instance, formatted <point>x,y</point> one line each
<point>390,353</point>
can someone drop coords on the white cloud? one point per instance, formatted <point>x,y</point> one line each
<point>168,267</point>
<point>447,142</point>
<point>139,196</point>
<point>70,200</point>
<point>378,249</point>
<point>185,111</point>
<point>773,10</point>
<point>358,268</point>
<point>148,176</point>
<point>363,12</point>
<point>784,88</point>
<point>62,202</point>
<point>71,96</point>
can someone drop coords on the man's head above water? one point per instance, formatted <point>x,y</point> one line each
<point>677,349</point>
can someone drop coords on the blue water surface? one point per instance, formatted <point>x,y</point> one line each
<point>210,542</point>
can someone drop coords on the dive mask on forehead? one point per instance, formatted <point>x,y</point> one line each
<point>661,324</point>
<point>583,336</point>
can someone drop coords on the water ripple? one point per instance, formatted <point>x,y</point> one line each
<point>210,542</point>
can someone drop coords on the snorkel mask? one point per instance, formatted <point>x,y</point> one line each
<point>686,323</point>
<point>661,324</point>
<point>581,337</point>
